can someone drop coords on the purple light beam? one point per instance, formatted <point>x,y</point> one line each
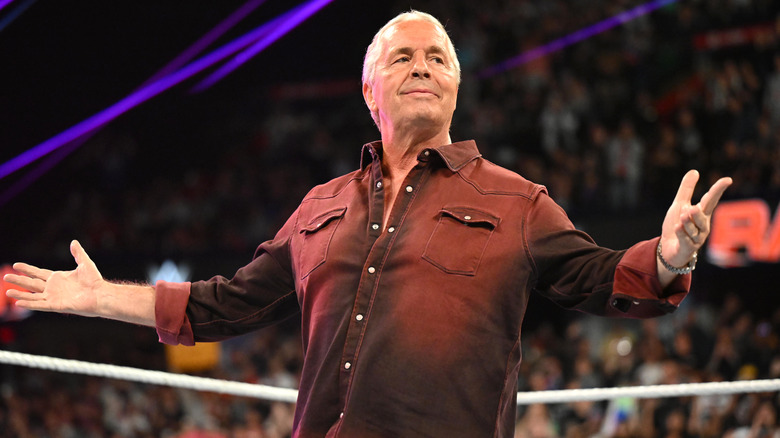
<point>573,38</point>
<point>183,58</point>
<point>52,160</point>
<point>14,14</point>
<point>206,40</point>
<point>298,16</point>
<point>138,97</point>
<point>4,3</point>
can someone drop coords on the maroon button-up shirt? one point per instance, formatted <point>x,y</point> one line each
<point>413,330</point>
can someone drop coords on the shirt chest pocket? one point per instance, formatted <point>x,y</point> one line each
<point>459,239</point>
<point>316,237</point>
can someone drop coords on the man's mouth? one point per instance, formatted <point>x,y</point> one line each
<point>419,92</point>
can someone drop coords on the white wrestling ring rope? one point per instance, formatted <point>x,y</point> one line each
<point>272,393</point>
<point>148,376</point>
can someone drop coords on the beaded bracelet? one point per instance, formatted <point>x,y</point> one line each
<point>679,271</point>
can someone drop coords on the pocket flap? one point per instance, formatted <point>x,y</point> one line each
<point>471,216</point>
<point>323,219</point>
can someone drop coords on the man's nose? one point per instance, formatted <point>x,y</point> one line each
<point>420,67</point>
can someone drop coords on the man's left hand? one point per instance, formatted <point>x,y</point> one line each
<point>687,226</point>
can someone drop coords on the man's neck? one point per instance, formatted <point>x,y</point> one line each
<point>399,156</point>
<point>399,153</point>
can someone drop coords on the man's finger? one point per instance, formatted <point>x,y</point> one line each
<point>32,271</point>
<point>33,304</point>
<point>31,284</point>
<point>688,184</point>
<point>79,254</point>
<point>710,199</point>
<point>699,219</point>
<point>687,245</point>
<point>23,295</point>
<point>691,229</point>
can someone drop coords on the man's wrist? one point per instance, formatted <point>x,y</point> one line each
<point>675,270</point>
<point>128,302</point>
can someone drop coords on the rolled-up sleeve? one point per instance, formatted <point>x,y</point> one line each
<point>173,326</point>
<point>637,291</point>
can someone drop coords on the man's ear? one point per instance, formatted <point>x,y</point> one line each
<point>368,96</point>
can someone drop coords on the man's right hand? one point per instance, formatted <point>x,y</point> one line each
<point>59,291</point>
<point>82,291</point>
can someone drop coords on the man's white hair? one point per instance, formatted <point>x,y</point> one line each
<point>375,48</point>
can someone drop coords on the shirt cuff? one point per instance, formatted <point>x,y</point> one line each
<point>171,322</point>
<point>637,291</point>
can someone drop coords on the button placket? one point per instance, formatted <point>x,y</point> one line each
<point>377,254</point>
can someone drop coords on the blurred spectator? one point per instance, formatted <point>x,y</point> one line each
<point>772,95</point>
<point>625,155</point>
<point>559,126</point>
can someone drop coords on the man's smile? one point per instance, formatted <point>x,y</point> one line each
<point>419,92</point>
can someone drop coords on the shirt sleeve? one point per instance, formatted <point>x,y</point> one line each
<point>170,305</point>
<point>573,271</point>
<point>637,291</point>
<point>260,294</point>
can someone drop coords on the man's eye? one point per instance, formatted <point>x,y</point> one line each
<point>437,59</point>
<point>402,59</point>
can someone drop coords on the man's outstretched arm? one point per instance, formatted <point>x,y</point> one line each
<point>82,291</point>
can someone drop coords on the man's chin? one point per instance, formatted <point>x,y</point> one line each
<point>427,123</point>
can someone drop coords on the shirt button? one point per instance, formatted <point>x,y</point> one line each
<point>375,226</point>
<point>371,269</point>
<point>347,366</point>
<point>359,317</point>
<point>391,230</point>
<point>468,218</point>
<point>409,189</point>
<point>379,184</point>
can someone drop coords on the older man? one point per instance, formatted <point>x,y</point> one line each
<point>411,274</point>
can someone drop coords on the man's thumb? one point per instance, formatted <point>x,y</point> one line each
<point>78,252</point>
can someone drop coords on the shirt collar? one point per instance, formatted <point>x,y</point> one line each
<point>455,155</point>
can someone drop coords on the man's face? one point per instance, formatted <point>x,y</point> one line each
<point>415,83</point>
